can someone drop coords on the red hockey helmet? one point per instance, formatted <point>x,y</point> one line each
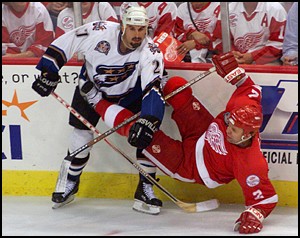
<point>248,117</point>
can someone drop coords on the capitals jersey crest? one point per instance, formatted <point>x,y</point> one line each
<point>103,47</point>
<point>110,75</point>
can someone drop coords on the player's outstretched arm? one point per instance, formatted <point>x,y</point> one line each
<point>250,221</point>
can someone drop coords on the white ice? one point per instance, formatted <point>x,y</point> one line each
<point>33,216</point>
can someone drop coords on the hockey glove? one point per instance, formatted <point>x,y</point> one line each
<point>227,67</point>
<point>46,83</point>
<point>90,92</point>
<point>141,132</point>
<point>250,221</point>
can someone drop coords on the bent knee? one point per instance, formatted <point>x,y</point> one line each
<point>181,98</point>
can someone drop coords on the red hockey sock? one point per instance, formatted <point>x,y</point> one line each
<point>113,115</point>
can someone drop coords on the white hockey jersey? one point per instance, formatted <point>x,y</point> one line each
<point>204,19</point>
<point>31,29</point>
<point>161,15</point>
<point>260,33</point>
<point>123,78</point>
<point>98,11</point>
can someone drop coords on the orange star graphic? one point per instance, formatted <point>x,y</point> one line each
<point>22,106</point>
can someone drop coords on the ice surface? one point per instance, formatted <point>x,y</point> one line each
<point>33,216</point>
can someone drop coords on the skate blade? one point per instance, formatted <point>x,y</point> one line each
<point>61,204</point>
<point>140,206</point>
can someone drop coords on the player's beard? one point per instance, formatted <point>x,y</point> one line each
<point>136,45</point>
<point>130,45</point>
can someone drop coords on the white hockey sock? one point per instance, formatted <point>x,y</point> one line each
<point>147,166</point>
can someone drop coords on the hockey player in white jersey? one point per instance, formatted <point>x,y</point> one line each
<point>122,65</point>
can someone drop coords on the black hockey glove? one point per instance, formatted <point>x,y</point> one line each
<point>46,83</point>
<point>141,132</point>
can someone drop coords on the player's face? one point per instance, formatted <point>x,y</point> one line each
<point>234,133</point>
<point>134,35</point>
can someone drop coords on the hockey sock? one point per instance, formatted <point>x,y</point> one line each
<point>149,168</point>
<point>76,167</point>
<point>78,138</point>
<point>143,179</point>
<point>113,115</point>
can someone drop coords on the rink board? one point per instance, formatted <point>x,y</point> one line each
<point>35,135</point>
<point>122,186</point>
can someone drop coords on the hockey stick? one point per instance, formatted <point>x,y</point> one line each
<point>188,207</point>
<point>130,119</point>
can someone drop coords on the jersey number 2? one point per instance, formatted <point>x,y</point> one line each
<point>258,194</point>
<point>157,66</point>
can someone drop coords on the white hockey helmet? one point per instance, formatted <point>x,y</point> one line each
<point>136,16</point>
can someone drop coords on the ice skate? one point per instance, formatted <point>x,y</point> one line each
<point>145,200</point>
<point>61,199</point>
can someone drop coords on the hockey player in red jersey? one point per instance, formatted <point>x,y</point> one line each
<point>215,151</point>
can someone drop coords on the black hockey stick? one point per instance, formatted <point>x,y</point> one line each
<point>130,119</point>
<point>188,207</point>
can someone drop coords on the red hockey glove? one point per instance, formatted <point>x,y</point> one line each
<point>227,67</point>
<point>250,221</point>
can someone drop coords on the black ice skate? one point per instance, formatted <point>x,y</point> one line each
<point>145,200</point>
<point>61,199</point>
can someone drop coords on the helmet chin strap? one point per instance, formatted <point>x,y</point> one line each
<point>243,139</point>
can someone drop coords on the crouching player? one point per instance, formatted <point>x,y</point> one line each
<point>215,151</point>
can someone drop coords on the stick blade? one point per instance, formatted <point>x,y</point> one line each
<point>207,205</point>
<point>200,206</point>
<point>188,207</point>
